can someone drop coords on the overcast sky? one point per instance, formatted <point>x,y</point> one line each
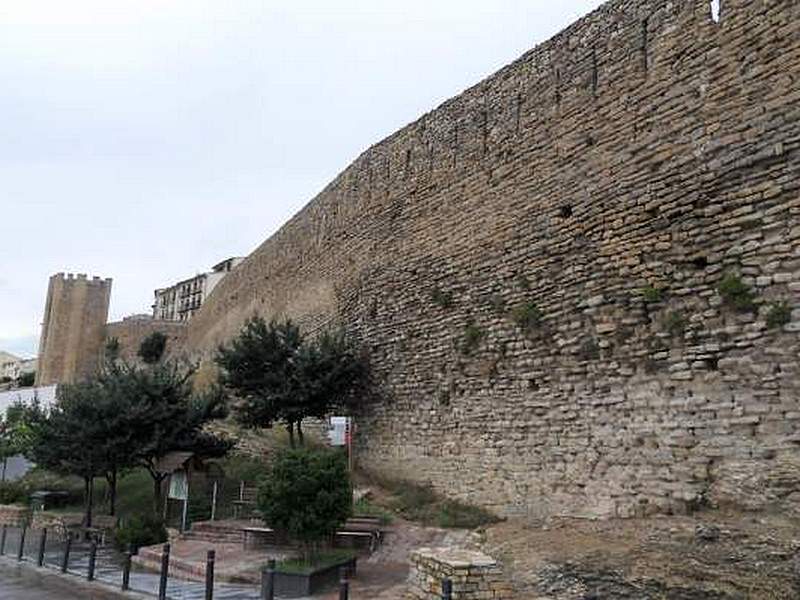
<point>145,140</point>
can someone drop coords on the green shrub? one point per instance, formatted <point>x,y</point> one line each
<point>779,315</point>
<point>675,323</point>
<point>42,479</point>
<point>589,350</point>
<point>497,303</point>
<point>12,492</point>
<point>26,379</point>
<point>152,347</point>
<point>307,495</point>
<point>527,316</point>
<point>652,294</point>
<point>421,503</point>
<point>735,293</point>
<point>472,338</point>
<point>441,298</point>
<point>366,508</point>
<point>523,282</point>
<point>139,531</point>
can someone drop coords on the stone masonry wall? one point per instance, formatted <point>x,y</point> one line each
<point>73,330</point>
<point>535,268</point>
<point>132,331</point>
<point>473,575</point>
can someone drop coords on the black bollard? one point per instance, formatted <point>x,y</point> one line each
<point>447,590</point>
<point>344,585</point>
<point>210,558</point>
<point>268,581</point>
<point>65,558</point>
<point>126,569</point>
<point>21,548</point>
<point>92,560</point>
<point>162,584</point>
<point>3,540</point>
<point>42,546</point>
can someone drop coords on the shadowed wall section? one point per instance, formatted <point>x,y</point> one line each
<point>535,269</point>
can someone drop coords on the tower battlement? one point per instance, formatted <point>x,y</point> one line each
<point>73,330</point>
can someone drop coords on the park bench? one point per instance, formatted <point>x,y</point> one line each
<point>256,538</point>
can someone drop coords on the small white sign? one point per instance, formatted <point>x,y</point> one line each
<point>178,486</point>
<point>339,430</point>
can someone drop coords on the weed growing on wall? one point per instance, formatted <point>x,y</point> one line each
<point>441,298</point>
<point>736,293</point>
<point>675,323</point>
<point>527,317</point>
<point>473,335</point>
<point>779,315</point>
<point>652,294</point>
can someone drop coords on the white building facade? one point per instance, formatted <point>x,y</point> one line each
<point>181,301</point>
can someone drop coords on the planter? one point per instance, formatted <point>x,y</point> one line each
<point>296,585</point>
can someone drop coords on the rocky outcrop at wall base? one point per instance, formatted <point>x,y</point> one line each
<point>577,281</point>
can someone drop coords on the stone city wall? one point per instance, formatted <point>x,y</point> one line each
<point>577,281</point>
<point>132,331</point>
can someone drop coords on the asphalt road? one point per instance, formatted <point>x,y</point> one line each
<point>24,583</point>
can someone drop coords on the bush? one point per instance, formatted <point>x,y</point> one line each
<point>441,298</point>
<point>779,315</point>
<point>12,492</point>
<point>139,531</point>
<point>41,479</point>
<point>527,317</point>
<point>675,322</point>
<point>652,294</point>
<point>421,503</point>
<point>307,495</point>
<point>472,338</point>
<point>26,379</point>
<point>736,293</point>
<point>152,347</point>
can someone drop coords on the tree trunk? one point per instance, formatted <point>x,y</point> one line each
<point>300,438</point>
<point>88,487</point>
<point>290,429</point>
<point>111,477</point>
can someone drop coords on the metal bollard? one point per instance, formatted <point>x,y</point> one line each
<point>126,569</point>
<point>344,585</point>
<point>268,581</point>
<point>92,560</point>
<point>210,559</point>
<point>21,548</point>
<point>65,558</point>
<point>447,590</point>
<point>42,546</point>
<point>162,584</point>
<point>3,540</point>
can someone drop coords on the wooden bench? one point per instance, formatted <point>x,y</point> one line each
<point>256,538</point>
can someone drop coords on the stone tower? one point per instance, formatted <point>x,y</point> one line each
<point>73,330</point>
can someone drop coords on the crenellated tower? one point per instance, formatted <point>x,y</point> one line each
<point>73,331</point>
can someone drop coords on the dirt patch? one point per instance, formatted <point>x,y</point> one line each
<point>709,556</point>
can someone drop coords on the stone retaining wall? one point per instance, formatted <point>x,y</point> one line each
<point>474,576</point>
<point>13,515</point>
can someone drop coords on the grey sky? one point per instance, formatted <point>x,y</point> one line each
<point>144,140</point>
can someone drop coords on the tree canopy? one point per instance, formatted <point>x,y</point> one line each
<point>126,416</point>
<point>275,374</point>
<point>152,348</point>
<point>307,494</point>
